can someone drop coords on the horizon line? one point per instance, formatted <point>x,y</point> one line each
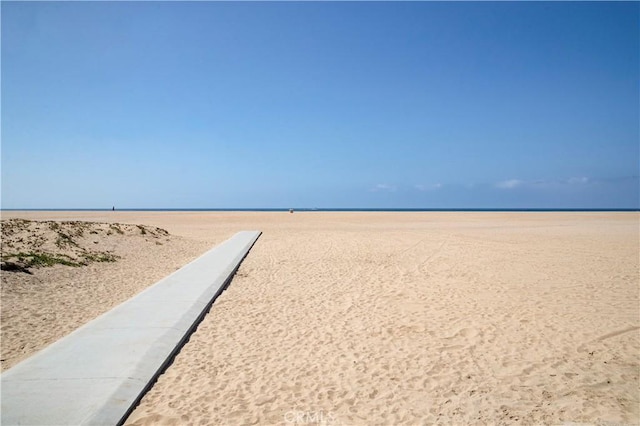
<point>311,209</point>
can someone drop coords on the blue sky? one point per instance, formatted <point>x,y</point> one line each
<point>323,104</point>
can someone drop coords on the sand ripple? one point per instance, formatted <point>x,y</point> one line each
<point>418,319</point>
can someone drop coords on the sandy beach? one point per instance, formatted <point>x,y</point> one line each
<point>357,318</point>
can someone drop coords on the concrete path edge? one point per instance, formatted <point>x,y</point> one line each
<point>98,373</point>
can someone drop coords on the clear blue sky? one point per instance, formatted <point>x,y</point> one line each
<point>324,104</point>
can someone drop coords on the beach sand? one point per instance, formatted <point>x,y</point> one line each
<point>378,318</point>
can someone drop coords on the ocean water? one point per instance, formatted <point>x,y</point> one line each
<point>283,209</point>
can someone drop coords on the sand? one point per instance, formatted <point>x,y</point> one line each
<point>386,318</point>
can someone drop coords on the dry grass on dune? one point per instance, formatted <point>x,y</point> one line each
<point>27,243</point>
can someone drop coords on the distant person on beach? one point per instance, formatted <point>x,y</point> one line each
<point>113,209</point>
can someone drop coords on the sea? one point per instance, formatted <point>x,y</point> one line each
<point>306,209</point>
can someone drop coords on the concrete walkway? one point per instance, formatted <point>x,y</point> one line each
<point>97,374</point>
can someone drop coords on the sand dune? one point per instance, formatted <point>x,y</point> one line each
<point>410,318</point>
<point>110,263</point>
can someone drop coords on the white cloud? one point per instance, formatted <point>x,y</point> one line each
<point>578,180</point>
<point>428,187</point>
<point>509,184</point>
<point>542,183</point>
<point>384,187</point>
